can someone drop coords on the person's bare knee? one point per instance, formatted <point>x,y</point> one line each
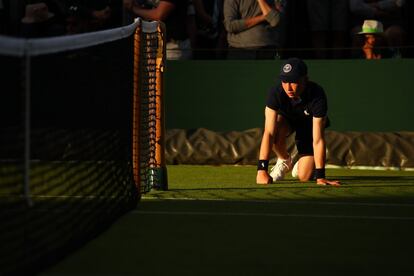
<point>305,177</point>
<point>305,169</point>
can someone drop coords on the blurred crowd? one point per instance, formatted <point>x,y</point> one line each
<point>46,18</point>
<point>234,29</point>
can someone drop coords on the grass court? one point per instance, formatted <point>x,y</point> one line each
<point>215,220</point>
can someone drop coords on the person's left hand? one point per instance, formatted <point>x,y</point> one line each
<point>323,181</point>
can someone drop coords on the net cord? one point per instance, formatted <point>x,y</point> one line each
<point>20,47</point>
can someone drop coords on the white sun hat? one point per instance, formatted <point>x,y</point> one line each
<point>372,27</point>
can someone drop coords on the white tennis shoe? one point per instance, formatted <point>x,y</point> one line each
<point>279,171</point>
<point>295,170</point>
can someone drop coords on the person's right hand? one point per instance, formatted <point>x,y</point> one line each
<point>263,178</point>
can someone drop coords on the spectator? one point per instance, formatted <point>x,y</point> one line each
<point>222,45</point>
<point>207,18</point>
<point>253,28</point>
<point>389,12</point>
<point>328,20</point>
<point>191,24</point>
<point>373,44</point>
<point>174,14</point>
<point>40,22</point>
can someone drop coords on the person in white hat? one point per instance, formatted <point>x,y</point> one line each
<point>372,30</point>
<point>390,13</point>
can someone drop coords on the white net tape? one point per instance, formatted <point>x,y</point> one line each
<point>19,47</point>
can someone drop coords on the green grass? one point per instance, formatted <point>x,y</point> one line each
<point>238,183</point>
<point>217,221</point>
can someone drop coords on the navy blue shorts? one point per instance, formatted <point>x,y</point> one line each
<point>303,134</point>
<point>304,138</point>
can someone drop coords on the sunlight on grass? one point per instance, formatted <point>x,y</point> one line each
<point>238,183</point>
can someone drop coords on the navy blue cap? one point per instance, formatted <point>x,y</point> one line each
<point>292,70</point>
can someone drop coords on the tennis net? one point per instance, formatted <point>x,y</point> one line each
<point>80,138</point>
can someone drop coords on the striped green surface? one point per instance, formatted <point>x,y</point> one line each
<point>217,221</point>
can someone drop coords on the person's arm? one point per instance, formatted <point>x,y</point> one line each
<point>319,151</point>
<point>263,176</point>
<point>232,21</point>
<point>160,13</point>
<point>270,14</point>
<point>264,6</point>
<point>253,21</point>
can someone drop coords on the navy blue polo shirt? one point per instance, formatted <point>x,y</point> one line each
<point>313,103</point>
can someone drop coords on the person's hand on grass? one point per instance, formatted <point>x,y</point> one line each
<point>323,181</point>
<point>263,178</point>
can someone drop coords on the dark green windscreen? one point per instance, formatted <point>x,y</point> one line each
<point>230,95</point>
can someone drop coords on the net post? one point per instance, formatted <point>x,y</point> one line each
<point>136,121</point>
<point>161,170</point>
<point>149,167</point>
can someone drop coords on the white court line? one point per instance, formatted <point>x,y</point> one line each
<point>369,168</point>
<point>293,202</point>
<point>186,213</point>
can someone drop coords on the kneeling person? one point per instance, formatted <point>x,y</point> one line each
<point>295,105</point>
